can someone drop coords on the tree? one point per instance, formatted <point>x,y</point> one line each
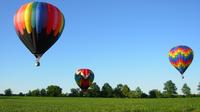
<point>8,92</point>
<point>144,95</point>
<point>75,92</point>
<point>125,91</point>
<point>29,93</point>
<point>43,92</point>
<point>198,88</point>
<point>138,92</point>
<point>54,90</point>
<point>94,90</point>
<point>170,89</point>
<point>118,91</point>
<point>186,90</point>
<point>21,94</point>
<point>106,90</point>
<point>35,92</point>
<point>154,93</point>
<point>132,94</point>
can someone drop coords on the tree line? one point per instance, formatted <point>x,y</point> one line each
<point>120,91</point>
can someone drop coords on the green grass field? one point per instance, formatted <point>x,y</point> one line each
<point>65,104</point>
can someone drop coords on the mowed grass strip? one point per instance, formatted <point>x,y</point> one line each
<point>66,104</point>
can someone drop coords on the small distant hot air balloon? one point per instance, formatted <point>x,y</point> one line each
<point>38,25</point>
<point>84,78</point>
<point>181,57</point>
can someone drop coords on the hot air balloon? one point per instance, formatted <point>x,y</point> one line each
<point>181,57</point>
<point>84,78</point>
<point>38,25</point>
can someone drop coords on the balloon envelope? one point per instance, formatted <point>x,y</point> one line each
<point>84,78</point>
<point>38,25</point>
<point>181,57</point>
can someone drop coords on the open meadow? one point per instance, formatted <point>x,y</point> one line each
<point>67,104</point>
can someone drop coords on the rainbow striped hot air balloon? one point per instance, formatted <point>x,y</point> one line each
<point>84,78</point>
<point>38,25</point>
<point>181,57</point>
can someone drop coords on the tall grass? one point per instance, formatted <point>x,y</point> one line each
<point>66,104</point>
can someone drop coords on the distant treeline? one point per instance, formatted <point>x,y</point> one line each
<point>120,91</point>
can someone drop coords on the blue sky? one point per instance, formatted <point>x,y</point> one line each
<point>122,41</point>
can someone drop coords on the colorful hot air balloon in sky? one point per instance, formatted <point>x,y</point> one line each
<point>84,78</point>
<point>181,57</point>
<point>38,25</point>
